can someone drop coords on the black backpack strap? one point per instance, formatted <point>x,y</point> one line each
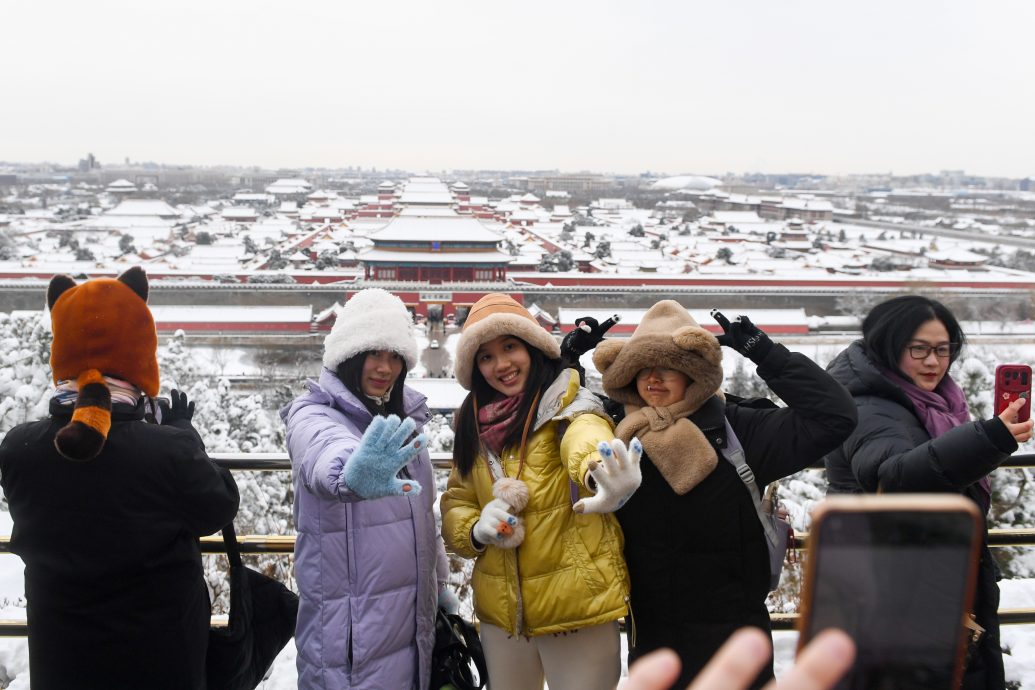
<point>474,643</point>
<point>233,550</point>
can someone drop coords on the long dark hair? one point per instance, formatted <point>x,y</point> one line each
<point>542,371</point>
<point>889,327</point>
<point>350,373</point>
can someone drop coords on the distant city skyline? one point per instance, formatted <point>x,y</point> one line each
<point>804,86</point>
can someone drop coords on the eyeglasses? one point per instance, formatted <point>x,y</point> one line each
<point>944,351</point>
<point>658,372</point>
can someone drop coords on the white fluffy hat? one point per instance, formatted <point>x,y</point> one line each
<point>374,319</point>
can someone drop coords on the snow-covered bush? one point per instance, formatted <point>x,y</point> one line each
<point>229,423</point>
<point>25,376</point>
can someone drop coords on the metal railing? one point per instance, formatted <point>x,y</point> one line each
<point>285,544</point>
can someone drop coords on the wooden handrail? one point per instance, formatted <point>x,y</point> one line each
<point>444,461</point>
<point>16,627</point>
<point>285,544</point>
<point>271,543</point>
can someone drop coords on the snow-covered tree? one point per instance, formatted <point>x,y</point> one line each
<point>25,376</point>
<point>745,383</point>
<point>439,432</point>
<point>179,369</point>
<point>244,423</point>
<point>975,378</point>
<point>559,261</point>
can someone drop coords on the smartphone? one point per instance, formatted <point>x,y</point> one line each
<point>154,409</point>
<point>897,573</point>
<point>1013,381</point>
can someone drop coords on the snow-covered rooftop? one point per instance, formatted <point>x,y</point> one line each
<point>693,182</point>
<point>423,256</point>
<point>630,318</point>
<point>230,314</point>
<point>144,207</point>
<point>427,228</point>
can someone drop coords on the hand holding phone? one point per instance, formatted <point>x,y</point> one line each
<point>897,573</point>
<point>1013,382</point>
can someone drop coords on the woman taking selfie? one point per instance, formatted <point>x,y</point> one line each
<point>915,435</point>
<point>368,559</point>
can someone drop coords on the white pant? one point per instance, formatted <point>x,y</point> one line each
<point>586,659</point>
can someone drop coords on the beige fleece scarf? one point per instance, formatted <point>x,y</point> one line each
<point>675,445</point>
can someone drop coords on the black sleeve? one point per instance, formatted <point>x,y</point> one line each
<point>206,494</point>
<point>614,410</point>
<point>883,456</point>
<point>186,425</point>
<point>819,416</point>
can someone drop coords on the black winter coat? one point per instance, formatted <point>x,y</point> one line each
<point>113,576</point>
<point>698,563</point>
<point>891,450</point>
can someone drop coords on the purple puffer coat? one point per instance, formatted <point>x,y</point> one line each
<point>368,571</point>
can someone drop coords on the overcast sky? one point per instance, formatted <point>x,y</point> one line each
<point>822,86</point>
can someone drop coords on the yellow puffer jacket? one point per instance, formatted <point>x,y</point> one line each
<point>569,572</point>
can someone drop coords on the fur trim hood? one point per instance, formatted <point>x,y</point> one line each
<point>494,315</point>
<point>667,337</point>
<point>374,319</point>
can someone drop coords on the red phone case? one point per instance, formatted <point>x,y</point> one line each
<point>1013,381</point>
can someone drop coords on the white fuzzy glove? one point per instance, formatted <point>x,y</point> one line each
<point>617,478</point>
<point>495,523</point>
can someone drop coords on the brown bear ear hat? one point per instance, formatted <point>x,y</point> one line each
<point>666,337</point>
<point>102,327</point>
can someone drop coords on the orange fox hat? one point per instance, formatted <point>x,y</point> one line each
<point>101,327</point>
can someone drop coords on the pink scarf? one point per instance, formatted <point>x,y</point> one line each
<point>496,419</point>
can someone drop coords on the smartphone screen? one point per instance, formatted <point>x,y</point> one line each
<point>899,583</point>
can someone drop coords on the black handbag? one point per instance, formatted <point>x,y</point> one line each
<point>457,647</point>
<point>262,621</point>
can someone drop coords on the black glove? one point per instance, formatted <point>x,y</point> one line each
<point>743,336</point>
<point>179,410</point>
<point>586,335</point>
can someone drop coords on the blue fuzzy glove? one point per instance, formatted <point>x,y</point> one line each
<point>382,452</point>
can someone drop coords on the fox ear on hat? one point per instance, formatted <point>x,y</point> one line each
<point>606,353</point>
<point>136,279</point>
<point>58,285</point>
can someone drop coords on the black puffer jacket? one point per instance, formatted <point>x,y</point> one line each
<point>698,562</point>
<point>113,576</point>
<point>891,450</point>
